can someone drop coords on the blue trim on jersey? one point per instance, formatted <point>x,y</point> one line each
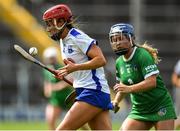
<point>90,46</point>
<point>94,97</point>
<point>96,79</point>
<point>74,32</point>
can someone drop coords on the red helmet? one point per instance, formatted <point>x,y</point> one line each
<point>58,11</point>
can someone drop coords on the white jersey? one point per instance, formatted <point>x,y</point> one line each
<point>177,68</point>
<point>177,90</point>
<point>76,46</point>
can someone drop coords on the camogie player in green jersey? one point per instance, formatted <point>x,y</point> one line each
<point>139,76</point>
<point>55,90</point>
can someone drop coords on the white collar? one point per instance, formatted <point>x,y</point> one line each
<point>131,56</point>
<point>65,38</point>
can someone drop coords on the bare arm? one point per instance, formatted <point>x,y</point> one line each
<point>118,98</point>
<point>175,80</point>
<point>47,89</point>
<point>59,86</point>
<point>97,60</point>
<point>145,85</point>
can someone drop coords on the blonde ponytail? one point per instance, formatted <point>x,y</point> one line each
<point>151,50</point>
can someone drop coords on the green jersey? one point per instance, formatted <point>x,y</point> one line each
<point>49,76</point>
<point>137,68</point>
<point>57,98</point>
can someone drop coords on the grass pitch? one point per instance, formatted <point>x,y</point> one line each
<point>32,125</point>
<point>23,125</point>
<point>35,125</point>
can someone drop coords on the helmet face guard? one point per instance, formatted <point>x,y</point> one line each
<point>116,37</point>
<point>54,30</point>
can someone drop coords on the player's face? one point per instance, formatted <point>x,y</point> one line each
<point>119,41</point>
<point>51,25</point>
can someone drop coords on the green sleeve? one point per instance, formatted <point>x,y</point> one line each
<point>49,76</point>
<point>147,64</point>
<point>46,75</point>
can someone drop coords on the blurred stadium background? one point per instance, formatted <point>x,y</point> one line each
<point>21,83</point>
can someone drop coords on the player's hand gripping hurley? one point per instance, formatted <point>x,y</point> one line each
<point>32,59</point>
<point>28,57</point>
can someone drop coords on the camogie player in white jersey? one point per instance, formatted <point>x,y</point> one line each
<point>85,61</point>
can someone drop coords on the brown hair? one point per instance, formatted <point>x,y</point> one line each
<point>151,50</point>
<point>73,23</point>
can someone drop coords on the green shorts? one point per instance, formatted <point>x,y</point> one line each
<point>165,113</point>
<point>58,97</point>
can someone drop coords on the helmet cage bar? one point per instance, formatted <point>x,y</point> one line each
<point>51,24</point>
<point>115,34</point>
<point>130,40</point>
<point>127,35</point>
<point>56,26</point>
<point>114,45</point>
<point>48,22</point>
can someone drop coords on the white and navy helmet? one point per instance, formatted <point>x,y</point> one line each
<point>123,28</point>
<point>118,30</point>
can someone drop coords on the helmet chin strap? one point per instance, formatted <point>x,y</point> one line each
<point>130,39</point>
<point>57,35</point>
<point>121,52</point>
